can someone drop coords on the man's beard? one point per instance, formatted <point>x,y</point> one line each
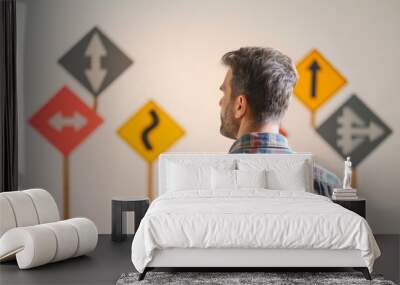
<point>229,126</point>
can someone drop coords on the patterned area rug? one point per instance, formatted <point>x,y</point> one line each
<point>275,278</point>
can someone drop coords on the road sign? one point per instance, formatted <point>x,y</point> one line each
<point>150,131</point>
<point>283,132</point>
<point>95,61</point>
<point>65,120</point>
<point>318,81</point>
<point>354,130</point>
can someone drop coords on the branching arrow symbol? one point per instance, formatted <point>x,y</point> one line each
<point>353,131</point>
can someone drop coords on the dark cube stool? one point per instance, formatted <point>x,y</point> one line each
<point>119,207</point>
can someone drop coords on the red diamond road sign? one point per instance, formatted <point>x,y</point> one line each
<point>65,120</point>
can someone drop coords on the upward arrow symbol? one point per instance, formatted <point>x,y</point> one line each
<point>314,68</point>
<point>95,51</point>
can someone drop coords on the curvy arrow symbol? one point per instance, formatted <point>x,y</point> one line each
<point>58,121</point>
<point>145,133</point>
<point>314,67</point>
<point>95,51</point>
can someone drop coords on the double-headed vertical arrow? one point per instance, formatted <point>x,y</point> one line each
<point>95,51</point>
<point>314,68</point>
<point>96,73</point>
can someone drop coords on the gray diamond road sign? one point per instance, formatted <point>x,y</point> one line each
<point>95,61</point>
<point>354,130</point>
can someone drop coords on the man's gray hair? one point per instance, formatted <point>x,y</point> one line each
<point>266,77</point>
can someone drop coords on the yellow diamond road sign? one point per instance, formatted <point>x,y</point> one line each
<point>318,81</point>
<point>150,131</point>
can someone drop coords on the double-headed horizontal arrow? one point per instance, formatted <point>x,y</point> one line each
<point>76,121</point>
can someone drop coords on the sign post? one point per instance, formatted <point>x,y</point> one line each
<point>318,82</point>
<point>95,61</point>
<point>150,131</point>
<point>66,186</point>
<point>65,121</point>
<point>354,130</point>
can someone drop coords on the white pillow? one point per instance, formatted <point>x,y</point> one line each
<point>251,178</point>
<point>236,179</point>
<point>188,177</point>
<point>283,173</point>
<point>223,179</point>
<point>293,179</point>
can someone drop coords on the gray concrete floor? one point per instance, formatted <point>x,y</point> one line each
<point>110,260</point>
<point>103,266</point>
<point>389,262</point>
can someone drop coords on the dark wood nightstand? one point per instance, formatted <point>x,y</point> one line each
<point>357,206</point>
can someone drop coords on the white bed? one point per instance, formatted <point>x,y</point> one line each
<point>214,211</point>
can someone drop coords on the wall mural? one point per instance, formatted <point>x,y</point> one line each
<point>65,120</point>
<point>96,62</point>
<point>150,131</point>
<point>353,129</point>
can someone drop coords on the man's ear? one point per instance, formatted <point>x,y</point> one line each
<point>240,106</point>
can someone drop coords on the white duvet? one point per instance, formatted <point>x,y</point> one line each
<point>252,218</point>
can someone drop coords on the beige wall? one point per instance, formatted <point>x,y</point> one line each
<point>176,46</point>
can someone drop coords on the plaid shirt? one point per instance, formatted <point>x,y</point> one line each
<point>324,180</point>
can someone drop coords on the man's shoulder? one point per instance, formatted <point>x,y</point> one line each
<point>322,172</point>
<point>324,180</point>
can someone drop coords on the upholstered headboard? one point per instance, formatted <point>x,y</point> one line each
<point>276,162</point>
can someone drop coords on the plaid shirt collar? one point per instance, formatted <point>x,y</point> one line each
<point>256,140</point>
